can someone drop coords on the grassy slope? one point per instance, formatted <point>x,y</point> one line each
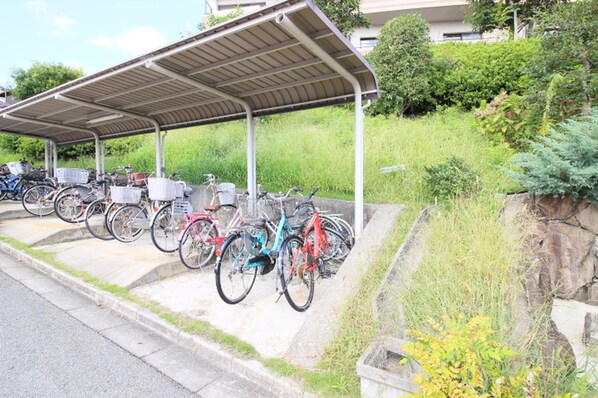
<point>315,148</point>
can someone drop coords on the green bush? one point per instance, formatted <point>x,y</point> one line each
<point>466,74</point>
<point>465,359</point>
<point>504,120</point>
<point>451,179</point>
<point>402,61</point>
<point>565,162</point>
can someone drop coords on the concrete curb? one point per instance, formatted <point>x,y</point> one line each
<point>248,369</point>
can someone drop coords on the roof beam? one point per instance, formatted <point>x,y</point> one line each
<point>48,124</point>
<point>56,112</point>
<point>194,83</point>
<point>92,105</point>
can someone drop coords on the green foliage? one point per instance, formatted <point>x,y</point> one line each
<point>504,120</point>
<point>214,19</point>
<point>345,14</point>
<point>565,162</point>
<point>467,74</point>
<point>487,15</point>
<point>568,40</point>
<point>402,61</point>
<point>464,359</point>
<point>41,77</point>
<point>451,179</point>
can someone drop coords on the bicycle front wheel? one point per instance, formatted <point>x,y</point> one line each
<point>234,274</point>
<point>69,208</point>
<point>296,273</point>
<point>39,200</point>
<point>165,229</point>
<point>195,248</point>
<point>128,223</point>
<point>95,220</point>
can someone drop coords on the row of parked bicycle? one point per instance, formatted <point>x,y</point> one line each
<point>283,231</point>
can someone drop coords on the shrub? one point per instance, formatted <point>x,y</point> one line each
<point>504,120</point>
<point>402,61</point>
<point>451,179</point>
<point>565,162</point>
<point>466,74</point>
<point>465,360</point>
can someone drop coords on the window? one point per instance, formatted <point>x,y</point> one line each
<point>368,42</point>
<point>461,36</point>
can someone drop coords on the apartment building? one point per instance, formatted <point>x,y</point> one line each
<point>445,18</point>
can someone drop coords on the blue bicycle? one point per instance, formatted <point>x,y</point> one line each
<point>244,252</point>
<point>14,186</point>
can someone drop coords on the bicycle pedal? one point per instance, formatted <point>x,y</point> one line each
<point>326,274</point>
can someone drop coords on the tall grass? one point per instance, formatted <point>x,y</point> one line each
<point>470,267</point>
<point>315,148</point>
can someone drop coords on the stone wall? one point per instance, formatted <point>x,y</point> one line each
<point>564,240</point>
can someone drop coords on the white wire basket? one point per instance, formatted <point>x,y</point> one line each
<point>160,188</point>
<point>72,176</point>
<point>125,195</point>
<point>226,193</point>
<point>19,168</point>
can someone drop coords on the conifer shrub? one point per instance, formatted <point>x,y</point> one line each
<point>563,163</point>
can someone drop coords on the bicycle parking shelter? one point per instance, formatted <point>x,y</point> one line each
<point>284,57</point>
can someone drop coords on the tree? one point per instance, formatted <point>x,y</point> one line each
<point>563,77</point>
<point>487,15</point>
<point>345,14</point>
<point>35,80</point>
<point>213,19</point>
<point>402,59</point>
<point>41,77</point>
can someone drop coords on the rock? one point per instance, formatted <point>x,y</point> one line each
<point>566,255</point>
<point>556,208</point>
<point>587,216</point>
<point>593,294</point>
<point>590,330</point>
<point>557,346</point>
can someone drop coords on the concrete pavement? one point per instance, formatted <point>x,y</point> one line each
<point>268,325</point>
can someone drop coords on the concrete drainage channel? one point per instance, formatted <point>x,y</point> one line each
<point>113,266</point>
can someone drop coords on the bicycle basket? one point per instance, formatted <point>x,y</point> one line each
<point>125,195</point>
<point>269,209</point>
<point>72,176</point>
<point>181,206</point>
<point>226,193</point>
<point>161,188</point>
<point>19,168</point>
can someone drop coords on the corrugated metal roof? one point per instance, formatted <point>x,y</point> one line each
<point>251,58</point>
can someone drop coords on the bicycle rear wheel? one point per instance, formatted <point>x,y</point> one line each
<point>95,220</point>
<point>235,276</point>
<point>165,229</point>
<point>70,208</point>
<point>195,250</point>
<point>296,273</point>
<point>128,222</point>
<point>39,200</point>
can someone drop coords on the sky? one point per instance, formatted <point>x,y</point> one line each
<point>92,35</point>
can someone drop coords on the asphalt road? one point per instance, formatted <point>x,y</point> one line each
<point>55,343</point>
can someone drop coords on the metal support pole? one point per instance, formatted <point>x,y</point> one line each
<point>98,163</point>
<point>54,160</point>
<point>290,27</point>
<point>358,165</point>
<point>164,152</point>
<point>103,157</point>
<point>251,163</point>
<point>47,157</point>
<point>158,153</point>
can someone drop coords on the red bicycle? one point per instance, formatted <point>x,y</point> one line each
<point>317,248</point>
